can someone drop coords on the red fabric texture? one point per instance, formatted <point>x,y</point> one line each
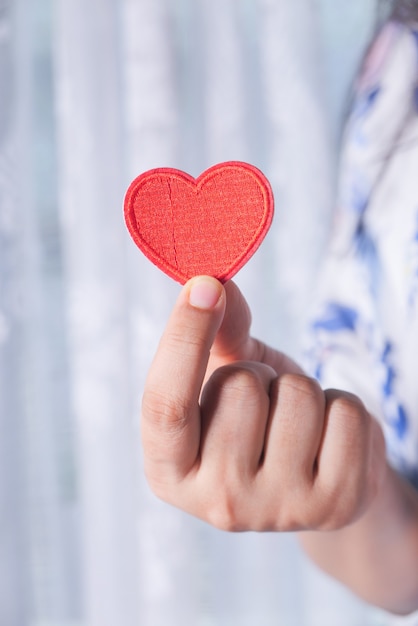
<point>210,225</point>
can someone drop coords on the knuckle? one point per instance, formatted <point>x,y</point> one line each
<point>288,520</point>
<point>168,415</point>
<point>221,520</point>
<point>298,384</point>
<point>346,405</point>
<point>224,512</point>
<point>353,421</point>
<point>222,517</point>
<point>238,380</point>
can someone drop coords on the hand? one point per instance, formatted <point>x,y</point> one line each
<point>235,434</point>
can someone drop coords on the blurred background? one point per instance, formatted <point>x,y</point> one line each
<point>91,94</point>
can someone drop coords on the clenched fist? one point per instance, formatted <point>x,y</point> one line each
<point>235,434</point>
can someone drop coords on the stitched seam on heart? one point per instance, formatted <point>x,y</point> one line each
<point>173,233</point>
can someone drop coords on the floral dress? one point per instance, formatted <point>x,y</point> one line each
<point>364,333</point>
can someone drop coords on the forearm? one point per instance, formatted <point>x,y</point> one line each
<point>377,556</point>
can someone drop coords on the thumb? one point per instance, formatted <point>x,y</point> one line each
<point>170,405</point>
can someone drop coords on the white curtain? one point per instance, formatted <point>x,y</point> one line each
<point>91,94</point>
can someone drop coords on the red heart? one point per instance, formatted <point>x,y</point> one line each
<point>209,225</point>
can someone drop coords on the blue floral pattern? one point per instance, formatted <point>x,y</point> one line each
<point>364,334</point>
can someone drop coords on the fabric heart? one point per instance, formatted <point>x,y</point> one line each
<point>209,225</point>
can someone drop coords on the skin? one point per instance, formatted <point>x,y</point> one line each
<point>236,434</point>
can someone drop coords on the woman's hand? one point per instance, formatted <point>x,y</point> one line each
<point>235,434</point>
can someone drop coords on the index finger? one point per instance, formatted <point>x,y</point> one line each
<point>170,406</point>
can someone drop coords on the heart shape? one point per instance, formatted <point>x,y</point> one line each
<point>209,225</point>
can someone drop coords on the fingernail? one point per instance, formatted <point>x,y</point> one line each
<point>205,293</point>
